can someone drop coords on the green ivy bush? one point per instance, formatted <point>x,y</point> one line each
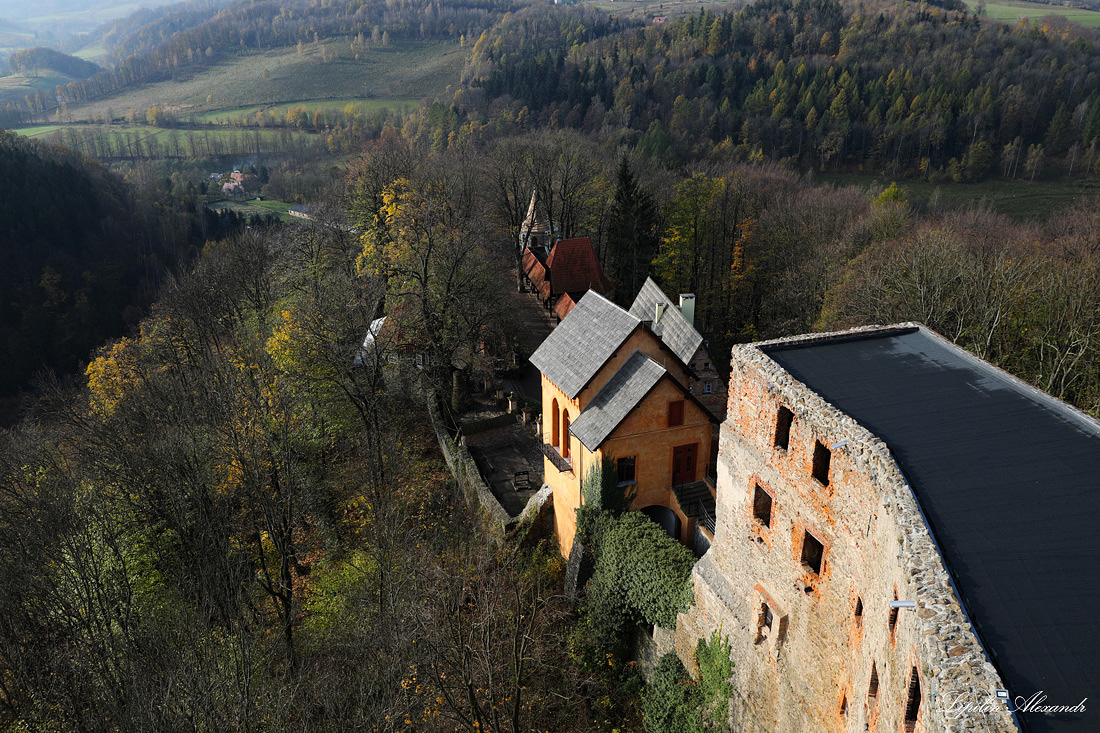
<point>671,704</point>
<point>641,575</point>
<point>674,703</point>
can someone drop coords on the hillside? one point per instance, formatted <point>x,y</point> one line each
<point>75,263</point>
<point>30,61</point>
<point>895,86</point>
<point>402,71</point>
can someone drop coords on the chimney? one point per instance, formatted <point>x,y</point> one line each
<point>687,307</point>
<point>659,311</point>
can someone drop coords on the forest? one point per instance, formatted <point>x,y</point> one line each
<point>82,255</point>
<point>211,520</point>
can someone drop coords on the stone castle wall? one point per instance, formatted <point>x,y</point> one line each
<point>811,670</point>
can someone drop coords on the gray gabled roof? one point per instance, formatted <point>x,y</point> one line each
<point>618,397</point>
<point>673,329</point>
<point>581,344</point>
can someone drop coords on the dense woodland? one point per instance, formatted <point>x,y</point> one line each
<point>221,515</point>
<point>82,254</point>
<point>903,88</point>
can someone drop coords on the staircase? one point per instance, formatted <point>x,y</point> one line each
<point>697,501</point>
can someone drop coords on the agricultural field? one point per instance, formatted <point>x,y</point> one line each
<point>1010,11</point>
<point>654,8</point>
<point>394,74</point>
<point>1018,199</point>
<point>245,207</point>
<point>361,106</point>
<point>91,53</point>
<point>20,85</point>
<point>122,141</point>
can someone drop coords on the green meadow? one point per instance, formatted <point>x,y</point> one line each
<point>322,74</point>
<point>1010,11</point>
<point>363,106</point>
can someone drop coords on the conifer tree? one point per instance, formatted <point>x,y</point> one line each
<point>632,234</point>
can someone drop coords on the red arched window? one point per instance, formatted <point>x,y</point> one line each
<point>565,434</point>
<point>554,425</point>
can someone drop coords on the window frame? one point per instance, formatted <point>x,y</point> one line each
<point>619,463</point>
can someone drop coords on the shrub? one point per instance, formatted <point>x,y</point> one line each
<point>671,704</point>
<point>642,575</point>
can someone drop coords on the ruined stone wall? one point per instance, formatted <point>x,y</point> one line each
<point>811,670</point>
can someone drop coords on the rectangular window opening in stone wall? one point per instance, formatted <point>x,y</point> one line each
<point>872,687</point>
<point>893,617</point>
<point>764,621</point>
<point>762,506</point>
<point>626,469</point>
<point>912,704</point>
<point>822,458</point>
<point>812,553</point>
<point>844,707</point>
<point>859,613</point>
<point>675,413</point>
<point>783,422</point>
<point>706,388</point>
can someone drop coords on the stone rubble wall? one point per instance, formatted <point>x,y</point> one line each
<point>812,670</point>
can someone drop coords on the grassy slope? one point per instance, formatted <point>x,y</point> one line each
<point>399,72</point>
<point>225,116</point>
<point>652,8</point>
<point>19,85</point>
<point>163,136</point>
<point>1011,11</point>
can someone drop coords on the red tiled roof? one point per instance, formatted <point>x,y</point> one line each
<point>574,268</point>
<point>532,267</point>
<point>564,305</point>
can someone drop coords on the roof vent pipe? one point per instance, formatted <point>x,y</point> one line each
<point>687,307</point>
<point>659,311</point>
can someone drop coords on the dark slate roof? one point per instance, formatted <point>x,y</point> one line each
<point>575,350</point>
<point>618,397</point>
<point>1009,480</point>
<point>673,329</point>
<point>573,266</point>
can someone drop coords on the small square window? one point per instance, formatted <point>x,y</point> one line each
<point>762,506</point>
<point>812,553</point>
<point>626,469</point>
<point>783,422</point>
<point>822,458</point>
<point>675,413</point>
